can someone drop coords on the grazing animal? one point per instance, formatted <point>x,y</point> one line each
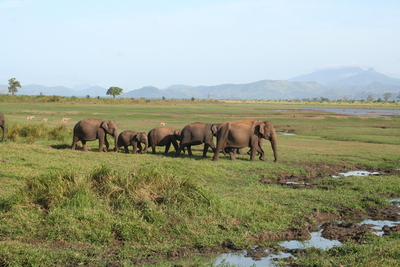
<point>196,134</point>
<point>163,136</point>
<point>162,123</point>
<point>135,139</point>
<point>245,133</point>
<point>93,129</point>
<point>44,119</point>
<point>30,117</point>
<point>63,119</point>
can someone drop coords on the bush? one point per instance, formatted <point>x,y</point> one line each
<point>33,132</point>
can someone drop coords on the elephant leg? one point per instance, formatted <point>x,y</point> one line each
<point>189,148</point>
<point>134,145</point>
<point>206,146</point>
<point>232,154</point>
<point>126,149</point>
<point>178,151</point>
<point>261,152</point>
<point>106,143</point>
<point>253,152</point>
<point>84,146</point>
<point>167,146</point>
<point>175,144</point>
<point>139,145</point>
<point>74,141</point>
<point>153,148</point>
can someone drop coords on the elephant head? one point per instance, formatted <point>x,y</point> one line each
<point>177,134</point>
<point>215,128</point>
<point>142,138</point>
<point>110,127</point>
<point>267,131</point>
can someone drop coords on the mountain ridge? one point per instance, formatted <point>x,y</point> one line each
<point>342,83</point>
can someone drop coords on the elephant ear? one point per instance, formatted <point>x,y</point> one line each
<point>104,125</point>
<point>260,128</point>
<point>215,128</point>
<point>177,132</point>
<point>137,136</point>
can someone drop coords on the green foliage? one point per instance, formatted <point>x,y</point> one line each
<point>114,91</point>
<point>13,85</point>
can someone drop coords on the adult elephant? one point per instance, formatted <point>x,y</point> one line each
<point>163,136</point>
<point>196,134</point>
<point>245,133</point>
<point>135,139</point>
<point>92,129</point>
<point>3,125</point>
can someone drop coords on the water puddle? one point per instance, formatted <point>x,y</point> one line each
<point>244,258</point>
<point>355,173</point>
<point>378,225</point>
<point>287,133</point>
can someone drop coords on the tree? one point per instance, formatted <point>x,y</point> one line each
<point>13,84</point>
<point>370,98</point>
<point>114,91</point>
<point>387,95</point>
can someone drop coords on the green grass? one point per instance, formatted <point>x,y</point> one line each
<point>64,207</point>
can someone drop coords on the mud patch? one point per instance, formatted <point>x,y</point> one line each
<point>314,171</point>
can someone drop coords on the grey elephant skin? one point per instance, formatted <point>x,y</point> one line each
<point>135,139</point>
<point>163,136</point>
<point>3,125</point>
<point>196,134</point>
<point>93,129</point>
<point>245,133</point>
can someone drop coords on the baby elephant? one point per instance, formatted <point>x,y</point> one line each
<point>134,139</point>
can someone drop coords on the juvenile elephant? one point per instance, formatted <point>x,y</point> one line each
<point>196,134</point>
<point>92,129</point>
<point>3,125</point>
<point>134,139</point>
<point>245,133</point>
<point>164,136</point>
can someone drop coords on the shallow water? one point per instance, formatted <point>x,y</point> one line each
<point>360,111</point>
<point>355,173</point>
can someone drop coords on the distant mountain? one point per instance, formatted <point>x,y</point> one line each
<point>327,76</point>
<point>266,89</point>
<point>343,83</point>
<point>346,76</point>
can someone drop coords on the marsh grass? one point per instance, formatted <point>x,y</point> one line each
<point>72,208</point>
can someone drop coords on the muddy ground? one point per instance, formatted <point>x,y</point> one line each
<point>334,226</point>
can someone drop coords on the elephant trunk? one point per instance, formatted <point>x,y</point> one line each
<point>146,146</point>
<point>273,141</point>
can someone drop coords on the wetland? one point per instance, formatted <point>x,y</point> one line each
<point>68,208</point>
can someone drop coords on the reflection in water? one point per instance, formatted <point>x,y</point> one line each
<point>355,173</point>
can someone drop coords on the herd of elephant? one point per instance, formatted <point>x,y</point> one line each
<point>231,136</point>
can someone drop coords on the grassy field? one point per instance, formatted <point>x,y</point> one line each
<point>68,208</point>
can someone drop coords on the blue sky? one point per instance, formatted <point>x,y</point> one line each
<point>132,44</point>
